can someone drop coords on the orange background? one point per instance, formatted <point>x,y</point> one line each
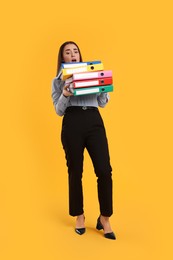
<point>132,38</point>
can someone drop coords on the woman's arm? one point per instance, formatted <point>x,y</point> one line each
<point>103,99</point>
<point>60,101</point>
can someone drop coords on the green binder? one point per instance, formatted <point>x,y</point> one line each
<point>92,90</point>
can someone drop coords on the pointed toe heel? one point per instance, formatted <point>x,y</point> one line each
<point>110,235</point>
<point>80,231</point>
<point>99,226</point>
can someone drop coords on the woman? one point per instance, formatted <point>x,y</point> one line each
<point>83,127</point>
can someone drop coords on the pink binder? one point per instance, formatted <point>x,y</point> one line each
<point>92,75</point>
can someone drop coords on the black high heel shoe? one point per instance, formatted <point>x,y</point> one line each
<point>80,231</point>
<point>99,226</point>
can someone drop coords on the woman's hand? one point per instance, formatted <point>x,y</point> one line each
<point>66,92</point>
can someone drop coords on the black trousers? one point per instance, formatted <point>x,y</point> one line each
<point>85,129</point>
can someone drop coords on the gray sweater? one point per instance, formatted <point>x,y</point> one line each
<point>61,103</point>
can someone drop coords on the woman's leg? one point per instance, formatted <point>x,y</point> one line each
<point>97,147</point>
<point>73,145</point>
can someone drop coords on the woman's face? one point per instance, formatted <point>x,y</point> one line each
<point>71,53</point>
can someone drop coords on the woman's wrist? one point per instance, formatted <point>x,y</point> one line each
<point>64,95</point>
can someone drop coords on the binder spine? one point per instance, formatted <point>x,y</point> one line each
<point>93,90</point>
<point>79,64</point>
<point>94,82</point>
<point>70,71</point>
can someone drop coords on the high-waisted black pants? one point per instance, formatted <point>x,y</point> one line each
<point>85,129</point>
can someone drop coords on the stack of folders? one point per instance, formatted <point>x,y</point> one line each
<point>86,78</point>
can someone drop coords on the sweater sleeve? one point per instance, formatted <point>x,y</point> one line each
<point>60,102</point>
<point>103,99</point>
